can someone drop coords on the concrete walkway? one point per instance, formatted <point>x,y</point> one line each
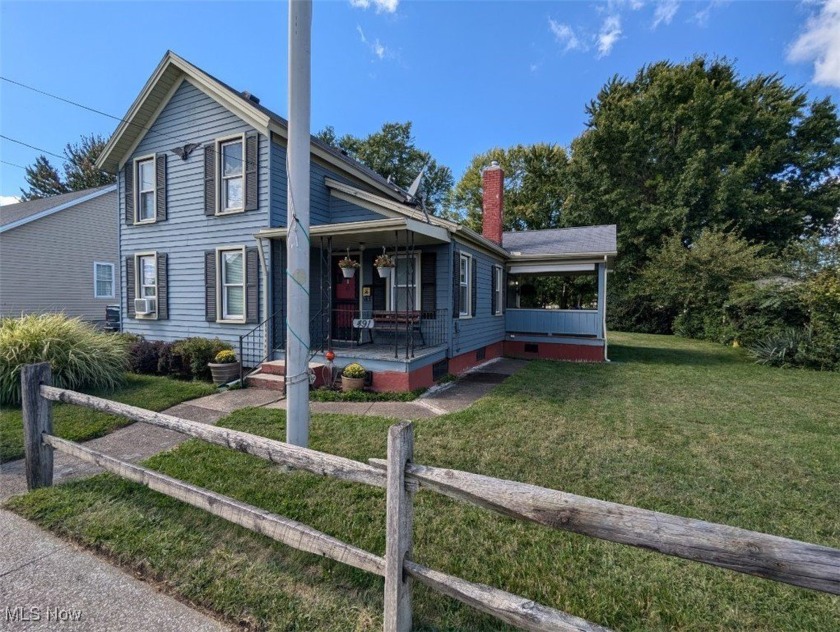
<point>40,571</point>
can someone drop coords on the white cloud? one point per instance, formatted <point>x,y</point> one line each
<point>8,199</point>
<point>608,35</point>
<point>381,6</point>
<point>665,12</point>
<point>820,42</point>
<point>702,16</point>
<point>376,47</point>
<point>565,35</point>
<point>379,49</point>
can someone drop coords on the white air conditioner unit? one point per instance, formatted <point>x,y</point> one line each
<point>144,306</point>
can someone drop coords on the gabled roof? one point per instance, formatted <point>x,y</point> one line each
<point>168,75</point>
<point>585,240</point>
<point>14,215</point>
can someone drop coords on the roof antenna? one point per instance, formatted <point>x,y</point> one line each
<point>412,192</point>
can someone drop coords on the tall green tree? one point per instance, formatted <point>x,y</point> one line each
<point>79,167</point>
<point>392,152</point>
<point>535,186</point>
<point>681,148</point>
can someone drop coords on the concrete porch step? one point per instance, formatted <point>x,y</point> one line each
<point>268,381</point>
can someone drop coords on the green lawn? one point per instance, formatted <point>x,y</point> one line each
<point>80,424</point>
<point>673,425</point>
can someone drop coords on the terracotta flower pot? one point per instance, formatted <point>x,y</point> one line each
<point>352,383</point>
<point>224,373</point>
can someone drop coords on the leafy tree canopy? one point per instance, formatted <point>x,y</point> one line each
<point>392,153</point>
<point>535,186</point>
<point>79,167</point>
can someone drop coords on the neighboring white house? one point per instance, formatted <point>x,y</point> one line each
<point>60,254</point>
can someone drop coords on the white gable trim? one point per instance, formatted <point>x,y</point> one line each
<point>55,209</point>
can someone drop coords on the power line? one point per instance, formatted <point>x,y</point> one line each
<point>12,164</point>
<point>44,151</point>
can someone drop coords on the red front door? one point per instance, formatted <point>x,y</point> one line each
<point>345,301</point>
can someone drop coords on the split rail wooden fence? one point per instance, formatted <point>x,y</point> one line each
<point>771,557</point>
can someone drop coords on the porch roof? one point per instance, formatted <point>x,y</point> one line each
<point>585,242</point>
<point>371,232</point>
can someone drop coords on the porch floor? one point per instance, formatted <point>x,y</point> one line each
<point>381,351</point>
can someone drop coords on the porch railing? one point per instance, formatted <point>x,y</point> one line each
<point>554,322</point>
<point>402,331</point>
<point>254,347</point>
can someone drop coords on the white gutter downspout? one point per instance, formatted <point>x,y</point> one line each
<point>267,292</point>
<point>604,321</point>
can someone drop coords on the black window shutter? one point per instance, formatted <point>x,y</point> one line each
<point>130,281</point>
<point>474,288</point>
<point>128,192</point>
<point>252,287</point>
<point>504,290</point>
<point>160,187</point>
<point>456,284</point>
<point>378,290</point>
<point>210,180</point>
<point>252,157</point>
<point>162,287</point>
<point>492,289</point>
<point>428,287</point>
<point>210,312</point>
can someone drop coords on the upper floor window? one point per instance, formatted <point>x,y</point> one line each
<point>103,280</point>
<point>232,181</point>
<point>465,286</point>
<point>146,190</point>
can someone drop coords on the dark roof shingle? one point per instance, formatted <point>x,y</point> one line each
<point>15,212</point>
<point>561,241</point>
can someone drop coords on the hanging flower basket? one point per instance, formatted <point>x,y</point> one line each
<point>384,264</point>
<point>348,267</point>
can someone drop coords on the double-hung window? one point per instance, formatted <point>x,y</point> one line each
<point>232,284</point>
<point>405,288</point>
<point>103,280</point>
<point>232,189</point>
<point>499,278</point>
<point>147,276</point>
<point>465,289</point>
<point>145,190</point>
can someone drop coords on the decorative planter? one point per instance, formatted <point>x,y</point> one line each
<point>352,383</point>
<point>224,373</point>
<point>384,272</point>
<point>348,273</point>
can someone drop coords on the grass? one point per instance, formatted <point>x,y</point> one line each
<point>79,424</point>
<point>674,425</point>
<point>330,395</point>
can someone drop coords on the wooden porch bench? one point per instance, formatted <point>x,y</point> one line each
<point>397,322</point>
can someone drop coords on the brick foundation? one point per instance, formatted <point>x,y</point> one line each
<point>555,351</point>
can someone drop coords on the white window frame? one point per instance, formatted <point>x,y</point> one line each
<point>498,271</point>
<point>465,311</point>
<point>138,192</point>
<point>96,265</point>
<point>392,285</point>
<point>138,282</point>
<point>221,317</point>
<point>220,177</point>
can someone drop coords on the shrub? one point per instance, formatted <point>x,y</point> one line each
<point>194,354</point>
<point>81,356</point>
<point>226,356</point>
<point>354,370</point>
<point>144,356</point>
<point>782,349</point>
<point>171,362</point>
<point>756,311</point>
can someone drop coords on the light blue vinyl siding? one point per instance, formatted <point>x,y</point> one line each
<point>554,322</point>
<point>484,328</point>
<point>190,116</point>
<point>342,211</point>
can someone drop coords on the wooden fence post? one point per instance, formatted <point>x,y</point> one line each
<point>399,523</point>
<point>37,419</point>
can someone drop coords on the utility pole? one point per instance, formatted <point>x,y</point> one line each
<point>297,222</point>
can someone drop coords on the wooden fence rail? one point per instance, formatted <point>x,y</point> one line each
<point>772,557</point>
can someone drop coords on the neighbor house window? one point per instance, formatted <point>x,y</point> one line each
<point>405,288</point>
<point>232,181</point>
<point>499,288</point>
<point>465,279</point>
<point>103,280</point>
<point>146,276</point>
<point>146,190</point>
<point>232,283</point>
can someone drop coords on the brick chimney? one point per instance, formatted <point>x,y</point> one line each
<point>493,178</point>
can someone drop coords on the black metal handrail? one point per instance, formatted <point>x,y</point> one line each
<point>253,345</point>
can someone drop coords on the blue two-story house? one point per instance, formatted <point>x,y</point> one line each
<point>202,200</point>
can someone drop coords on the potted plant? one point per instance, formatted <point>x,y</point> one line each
<point>348,267</point>
<point>383,264</point>
<point>225,369</point>
<point>353,377</point>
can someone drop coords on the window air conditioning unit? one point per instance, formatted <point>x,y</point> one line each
<point>143,306</point>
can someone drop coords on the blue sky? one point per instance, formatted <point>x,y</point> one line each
<point>471,75</point>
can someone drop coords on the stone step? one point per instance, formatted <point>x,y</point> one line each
<point>278,368</point>
<point>267,381</point>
